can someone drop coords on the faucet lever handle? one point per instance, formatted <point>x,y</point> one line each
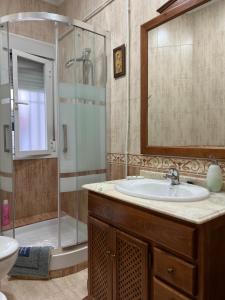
<point>173,172</point>
<point>174,175</point>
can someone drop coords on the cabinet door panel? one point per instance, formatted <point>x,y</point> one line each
<point>100,263</point>
<point>130,268</point>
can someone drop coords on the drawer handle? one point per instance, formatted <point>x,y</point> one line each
<point>170,270</point>
<point>108,252</point>
<point>113,255</point>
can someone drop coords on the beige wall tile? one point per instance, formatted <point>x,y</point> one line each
<point>118,125</point>
<point>14,6</point>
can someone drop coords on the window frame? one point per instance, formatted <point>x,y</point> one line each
<point>48,88</point>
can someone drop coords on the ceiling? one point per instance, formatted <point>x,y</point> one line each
<point>54,2</point>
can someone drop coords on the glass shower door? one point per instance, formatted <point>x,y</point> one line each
<point>6,165</point>
<point>90,118</point>
<point>82,127</point>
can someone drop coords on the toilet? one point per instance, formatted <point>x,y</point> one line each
<point>8,253</point>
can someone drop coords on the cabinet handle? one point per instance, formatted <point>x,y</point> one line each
<point>113,255</point>
<point>108,252</point>
<point>170,270</point>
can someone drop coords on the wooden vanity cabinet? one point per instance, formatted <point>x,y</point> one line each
<point>138,254</point>
<point>117,263</point>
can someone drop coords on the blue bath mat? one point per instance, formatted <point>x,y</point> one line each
<point>32,263</point>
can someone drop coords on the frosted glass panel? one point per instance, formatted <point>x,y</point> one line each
<point>81,91</point>
<point>32,112</point>
<point>90,134</point>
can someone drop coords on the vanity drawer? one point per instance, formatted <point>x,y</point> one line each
<point>175,271</point>
<point>164,292</point>
<point>145,224</point>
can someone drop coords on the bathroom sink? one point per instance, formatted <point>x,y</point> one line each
<point>162,190</point>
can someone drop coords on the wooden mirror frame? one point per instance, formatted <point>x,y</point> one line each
<point>171,10</point>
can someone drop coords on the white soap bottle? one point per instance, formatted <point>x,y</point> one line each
<point>214,177</point>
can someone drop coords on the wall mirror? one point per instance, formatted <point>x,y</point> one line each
<point>183,80</point>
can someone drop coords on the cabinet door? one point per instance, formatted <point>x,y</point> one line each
<point>130,268</point>
<point>100,262</point>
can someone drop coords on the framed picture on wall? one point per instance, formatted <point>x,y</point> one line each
<point>119,61</point>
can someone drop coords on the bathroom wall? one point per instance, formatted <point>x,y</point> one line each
<point>35,187</point>
<point>14,6</point>
<point>113,19</point>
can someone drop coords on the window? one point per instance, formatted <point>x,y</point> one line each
<point>33,104</point>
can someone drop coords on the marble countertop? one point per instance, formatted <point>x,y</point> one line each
<point>196,212</point>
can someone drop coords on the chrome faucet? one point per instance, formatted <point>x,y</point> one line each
<point>174,175</point>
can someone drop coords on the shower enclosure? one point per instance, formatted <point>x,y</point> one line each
<point>52,129</point>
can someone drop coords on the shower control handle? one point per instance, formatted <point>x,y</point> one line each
<point>6,129</point>
<point>65,138</point>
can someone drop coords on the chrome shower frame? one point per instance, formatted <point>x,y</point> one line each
<point>45,16</point>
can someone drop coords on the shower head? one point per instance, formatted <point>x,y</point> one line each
<point>85,55</point>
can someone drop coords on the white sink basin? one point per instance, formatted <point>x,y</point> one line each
<point>162,190</point>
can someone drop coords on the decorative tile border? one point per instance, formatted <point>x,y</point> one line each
<point>187,166</point>
<point>116,158</point>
